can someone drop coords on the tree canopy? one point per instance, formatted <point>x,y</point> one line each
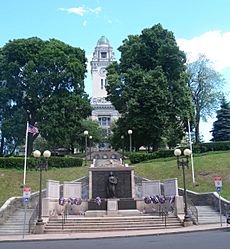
<point>221,127</point>
<point>206,87</point>
<point>149,88</point>
<point>45,79</point>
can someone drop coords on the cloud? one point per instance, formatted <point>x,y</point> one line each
<point>82,10</point>
<point>84,23</point>
<point>214,44</point>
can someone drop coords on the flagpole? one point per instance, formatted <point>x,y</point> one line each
<point>24,178</point>
<point>190,143</point>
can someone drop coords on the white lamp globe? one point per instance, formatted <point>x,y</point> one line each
<point>187,152</point>
<point>177,152</point>
<point>130,132</point>
<point>36,153</point>
<point>46,153</point>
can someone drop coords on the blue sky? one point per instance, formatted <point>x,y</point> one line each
<point>200,26</point>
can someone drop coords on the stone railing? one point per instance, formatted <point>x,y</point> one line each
<point>209,199</point>
<point>13,203</point>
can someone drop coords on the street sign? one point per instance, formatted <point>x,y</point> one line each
<point>218,189</point>
<point>26,200</point>
<point>26,192</point>
<point>218,182</point>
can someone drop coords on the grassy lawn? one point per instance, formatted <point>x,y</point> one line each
<point>11,179</point>
<point>206,167</point>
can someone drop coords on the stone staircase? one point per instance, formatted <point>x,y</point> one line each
<point>104,224</point>
<point>208,215</point>
<point>15,223</point>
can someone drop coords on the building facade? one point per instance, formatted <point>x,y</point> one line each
<point>103,111</point>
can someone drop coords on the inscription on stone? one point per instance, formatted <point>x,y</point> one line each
<point>112,205</point>
<point>52,189</point>
<point>151,188</point>
<point>171,187</point>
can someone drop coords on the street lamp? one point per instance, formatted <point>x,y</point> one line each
<point>184,163</point>
<point>122,139</point>
<point>130,132</point>
<point>86,133</point>
<point>90,144</point>
<point>40,164</point>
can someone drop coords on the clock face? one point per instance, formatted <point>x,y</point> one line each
<point>102,71</point>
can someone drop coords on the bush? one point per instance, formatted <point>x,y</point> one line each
<point>57,162</point>
<point>213,146</point>
<point>137,157</point>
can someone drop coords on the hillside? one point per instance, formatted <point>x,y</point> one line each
<point>206,167</point>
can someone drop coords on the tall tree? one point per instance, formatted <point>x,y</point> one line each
<point>149,87</point>
<point>44,77</point>
<point>206,87</point>
<point>221,127</point>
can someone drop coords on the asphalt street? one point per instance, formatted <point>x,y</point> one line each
<point>196,240</point>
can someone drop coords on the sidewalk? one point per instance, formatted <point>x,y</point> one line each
<point>98,235</point>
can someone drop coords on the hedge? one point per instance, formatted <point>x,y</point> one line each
<point>57,162</point>
<point>137,157</point>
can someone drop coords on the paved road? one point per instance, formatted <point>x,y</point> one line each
<point>197,240</point>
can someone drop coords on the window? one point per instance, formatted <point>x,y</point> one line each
<point>104,121</point>
<point>101,83</point>
<point>103,55</point>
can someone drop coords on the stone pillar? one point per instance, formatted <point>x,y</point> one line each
<point>90,185</point>
<point>50,203</point>
<point>133,184</point>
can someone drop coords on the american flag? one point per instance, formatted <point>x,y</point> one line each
<point>32,129</point>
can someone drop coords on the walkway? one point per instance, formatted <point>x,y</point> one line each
<point>99,235</point>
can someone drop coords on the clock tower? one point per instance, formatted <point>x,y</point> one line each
<point>103,111</point>
<point>103,56</point>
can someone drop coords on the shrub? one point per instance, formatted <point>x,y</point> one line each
<point>57,162</point>
<point>137,157</point>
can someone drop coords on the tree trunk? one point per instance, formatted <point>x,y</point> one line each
<point>31,138</point>
<point>1,146</point>
<point>197,128</point>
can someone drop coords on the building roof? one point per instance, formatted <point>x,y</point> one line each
<point>103,41</point>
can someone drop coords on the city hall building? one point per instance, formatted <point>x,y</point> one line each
<point>103,111</point>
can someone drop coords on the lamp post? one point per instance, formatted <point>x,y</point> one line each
<point>184,163</point>
<point>86,133</point>
<point>40,164</point>
<point>122,139</point>
<point>130,132</point>
<point>90,144</point>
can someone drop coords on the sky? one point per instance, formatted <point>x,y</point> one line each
<point>199,26</point>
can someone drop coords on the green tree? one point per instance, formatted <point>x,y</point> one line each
<point>46,78</point>
<point>149,87</point>
<point>206,87</point>
<point>221,127</point>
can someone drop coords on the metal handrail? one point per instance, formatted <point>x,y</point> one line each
<point>33,217</point>
<point>64,216</point>
<point>193,211</point>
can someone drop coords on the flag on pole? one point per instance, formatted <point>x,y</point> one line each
<point>32,129</point>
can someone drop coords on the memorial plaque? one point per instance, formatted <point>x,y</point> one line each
<point>72,190</point>
<point>52,189</point>
<point>112,205</point>
<point>171,187</point>
<point>151,188</point>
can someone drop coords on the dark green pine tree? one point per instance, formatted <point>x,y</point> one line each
<point>221,127</point>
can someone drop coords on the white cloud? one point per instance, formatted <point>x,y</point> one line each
<point>96,10</point>
<point>214,44</point>
<point>82,10</point>
<point>84,23</point>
